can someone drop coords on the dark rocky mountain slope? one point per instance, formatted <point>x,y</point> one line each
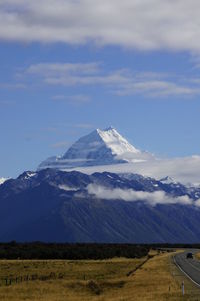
<point>51,205</point>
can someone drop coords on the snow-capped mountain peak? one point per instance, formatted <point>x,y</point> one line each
<point>2,180</point>
<point>116,142</point>
<point>28,174</point>
<point>167,180</point>
<point>100,147</point>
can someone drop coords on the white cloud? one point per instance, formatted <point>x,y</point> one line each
<point>197,203</point>
<point>140,24</point>
<point>130,195</point>
<point>48,69</point>
<point>120,82</point>
<point>185,170</point>
<point>12,86</point>
<point>73,99</point>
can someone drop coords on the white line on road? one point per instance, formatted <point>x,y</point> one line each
<point>185,272</point>
<point>193,266</point>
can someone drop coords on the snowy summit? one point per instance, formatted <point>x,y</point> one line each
<point>167,180</point>
<point>100,147</point>
<point>2,180</point>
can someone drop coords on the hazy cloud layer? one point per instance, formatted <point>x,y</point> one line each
<point>120,82</point>
<point>59,69</point>
<point>77,99</point>
<point>12,86</point>
<point>130,195</point>
<point>144,24</point>
<point>185,170</point>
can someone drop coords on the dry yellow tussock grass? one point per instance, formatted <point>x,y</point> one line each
<point>102,280</point>
<point>197,255</point>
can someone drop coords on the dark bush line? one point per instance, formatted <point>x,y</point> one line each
<point>39,250</point>
<point>174,246</point>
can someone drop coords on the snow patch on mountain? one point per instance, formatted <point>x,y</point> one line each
<point>116,142</point>
<point>2,180</point>
<point>30,174</point>
<point>167,180</point>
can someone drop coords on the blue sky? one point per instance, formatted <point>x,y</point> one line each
<point>68,67</point>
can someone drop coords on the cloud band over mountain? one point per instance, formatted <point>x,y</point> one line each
<point>130,195</point>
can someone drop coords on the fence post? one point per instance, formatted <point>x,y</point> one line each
<point>183,288</point>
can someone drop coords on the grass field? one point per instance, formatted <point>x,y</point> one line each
<point>118,279</point>
<point>197,255</point>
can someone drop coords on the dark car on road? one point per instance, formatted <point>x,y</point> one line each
<point>189,255</point>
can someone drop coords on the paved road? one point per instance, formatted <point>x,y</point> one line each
<point>191,267</point>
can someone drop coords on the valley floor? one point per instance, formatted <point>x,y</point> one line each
<point>154,278</point>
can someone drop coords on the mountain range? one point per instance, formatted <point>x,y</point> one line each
<point>52,205</point>
<point>58,203</point>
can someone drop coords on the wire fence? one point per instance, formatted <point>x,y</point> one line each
<point>7,281</point>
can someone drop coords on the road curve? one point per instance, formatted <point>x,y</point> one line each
<point>190,267</point>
